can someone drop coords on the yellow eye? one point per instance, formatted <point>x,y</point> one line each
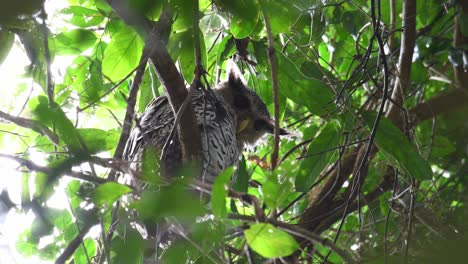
<point>243,125</point>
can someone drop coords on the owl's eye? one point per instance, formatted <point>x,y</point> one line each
<point>260,124</point>
<point>241,102</point>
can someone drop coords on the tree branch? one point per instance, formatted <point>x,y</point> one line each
<point>33,125</point>
<point>73,245</point>
<point>129,114</point>
<point>34,167</point>
<point>274,79</point>
<point>459,40</point>
<point>408,40</point>
<point>176,92</point>
<point>170,78</point>
<point>442,103</point>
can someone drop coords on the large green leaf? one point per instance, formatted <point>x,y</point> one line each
<point>83,17</point>
<point>128,249</point>
<point>311,92</point>
<point>181,47</point>
<point>313,165</point>
<point>173,200</point>
<point>276,189</point>
<point>281,14</point>
<point>225,49</point>
<point>85,252</point>
<point>244,16</point>
<point>98,140</point>
<point>219,193</point>
<point>391,140</point>
<point>148,89</point>
<point>123,53</point>
<point>107,193</point>
<point>241,183</point>
<point>74,41</point>
<point>269,241</point>
<point>54,117</point>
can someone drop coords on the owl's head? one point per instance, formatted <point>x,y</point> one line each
<point>253,118</point>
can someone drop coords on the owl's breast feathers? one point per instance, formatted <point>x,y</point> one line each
<point>216,120</point>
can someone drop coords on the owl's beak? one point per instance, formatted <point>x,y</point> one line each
<point>271,128</point>
<point>243,125</point>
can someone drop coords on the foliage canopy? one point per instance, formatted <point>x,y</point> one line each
<point>374,95</point>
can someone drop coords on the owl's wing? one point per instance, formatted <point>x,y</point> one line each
<point>137,139</point>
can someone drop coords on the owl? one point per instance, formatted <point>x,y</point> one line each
<point>230,117</point>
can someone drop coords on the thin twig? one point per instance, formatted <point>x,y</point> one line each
<point>49,81</point>
<point>31,124</point>
<point>73,245</point>
<point>131,101</point>
<point>274,79</point>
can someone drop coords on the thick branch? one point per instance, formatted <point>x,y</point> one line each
<point>176,92</point>
<point>73,245</point>
<point>408,40</point>
<point>459,40</point>
<point>440,104</point>
<point>168,74</point>
<point>384,186</point>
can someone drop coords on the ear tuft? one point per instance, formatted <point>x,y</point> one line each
<point>235,77</point>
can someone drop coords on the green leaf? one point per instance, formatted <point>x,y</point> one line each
<point>463,16</point>
<point>312,166</point>
<point>391,140</point>
<point>350,21</point>
<point>128,250</point>
<point>85,252</point>
<point>311,92</point>
<point>83,17</point>
<point>61,219</point>
<point>74,41</point>
<point>152,9</point>
<point>173,200</point>
<point>151,167</point>
<point>122,55</point>
<point>244,16</point>
<point>54,117</point>
<point>281,14</point>
<point>419,72</point>
<point>269,241</point>
<point>98,140</point>
<point>276,190</point>
<point>225,49</point>
<point>107,193</point>
<point>219,193</point>
<point>241,27</point>
<point>148,89</point>
<point>241,184</point>
<point>6,38</point>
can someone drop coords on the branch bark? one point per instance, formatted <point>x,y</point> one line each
<point>129,114</point>
<point>461,74</point>
<point>167,72</point>
<point>174,86</point>
<point>408,40</point>
<point>31,124</point>
<point>441,104</point>
<point>274,78</point>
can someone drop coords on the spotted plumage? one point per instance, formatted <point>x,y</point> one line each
<point>230,116</point>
